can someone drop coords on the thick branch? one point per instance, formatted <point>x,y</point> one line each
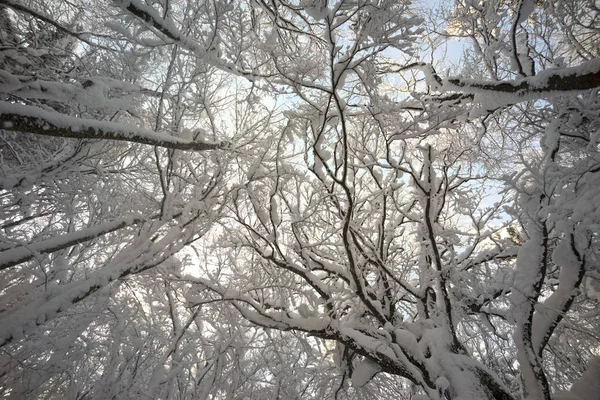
<point>15,324</point>
<point>20,254</point>
<point>545,84</point>
<point>572,79</point>
<point>20,118</point>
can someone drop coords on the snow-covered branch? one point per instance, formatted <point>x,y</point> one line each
<point>166,27</point>
<point>22,253</point>
<point>28,119</point>
<point>547,83</point>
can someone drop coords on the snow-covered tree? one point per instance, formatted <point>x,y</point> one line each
<point>289,199</point>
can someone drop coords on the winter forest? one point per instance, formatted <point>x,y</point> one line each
<point>300,199</point>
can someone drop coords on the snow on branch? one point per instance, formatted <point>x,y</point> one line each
<point>79,35</point>
<point>21,118</point>
<point>140,256</point>
<point>548,83</point>
<point>20,254</point>
<point>166,27</point>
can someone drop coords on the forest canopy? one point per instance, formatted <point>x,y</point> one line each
<point>300,199</point>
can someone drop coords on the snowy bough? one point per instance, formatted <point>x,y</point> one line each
<point>381,230</point>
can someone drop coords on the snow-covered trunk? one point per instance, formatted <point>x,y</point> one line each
<point>455,372</point>
<point>530,273</point>
<point>551,312</point>
<point>459,375</point>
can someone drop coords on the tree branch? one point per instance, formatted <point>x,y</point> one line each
<point>79,35</point>
<point>583,77</point>
<point>20,118</point>
<point>20,254</point>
